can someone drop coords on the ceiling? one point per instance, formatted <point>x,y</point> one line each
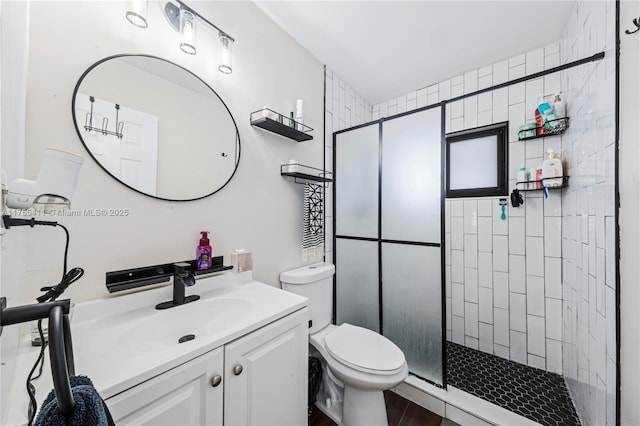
<point>384,49</point>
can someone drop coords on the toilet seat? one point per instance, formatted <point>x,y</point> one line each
<point>364,350</point>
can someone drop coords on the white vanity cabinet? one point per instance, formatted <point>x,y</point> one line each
<point>181,396</point>
<point>257,379</point>
<point>266,378</point>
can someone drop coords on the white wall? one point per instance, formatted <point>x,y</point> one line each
<point>259,210</point>
<point>629,175</point>
<point>13,56</point>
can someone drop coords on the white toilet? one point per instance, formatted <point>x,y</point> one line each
<point>361,363</point>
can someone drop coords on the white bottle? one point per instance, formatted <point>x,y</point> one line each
<point>531,177</point>
<point>552,172</point>
<point>299,114</point>
<point>559,107</point>
<point>522,177</point>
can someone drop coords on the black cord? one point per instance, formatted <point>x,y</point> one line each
<point>31,390</point>
<point>52,293</point>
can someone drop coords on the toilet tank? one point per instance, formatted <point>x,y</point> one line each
<point>316,283</point>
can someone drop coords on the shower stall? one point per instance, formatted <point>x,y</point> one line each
<point>514,305</point>
<point>390,256</point>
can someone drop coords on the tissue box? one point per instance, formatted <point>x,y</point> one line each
<point>241,260</point>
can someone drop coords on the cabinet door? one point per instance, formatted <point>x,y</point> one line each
<point>181,396</point>
<point>266,375</point>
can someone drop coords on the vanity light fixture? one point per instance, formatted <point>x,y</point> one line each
<point>224,43</point>
<point>137,16</point>
<point>182,18</point>
<point>187,31</point>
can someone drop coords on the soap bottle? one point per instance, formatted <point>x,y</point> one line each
<point>552,172</point>
<point>203,253</point>
<point>559,107</point>
<point>560,110</point>
<point>522,177</point>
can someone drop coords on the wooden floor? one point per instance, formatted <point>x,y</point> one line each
<point>400,412</point>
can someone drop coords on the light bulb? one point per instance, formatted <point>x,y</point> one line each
<point>225,53</point>
<point>188,32</point>
<point>137,15</point>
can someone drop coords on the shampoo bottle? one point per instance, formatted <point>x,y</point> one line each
<point>539,176</point>
<point>203,254</point>
<point>559,107</point>
<point>552,172</point>
<point>539,122</point>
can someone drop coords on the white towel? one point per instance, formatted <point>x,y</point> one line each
<point>313,222</point>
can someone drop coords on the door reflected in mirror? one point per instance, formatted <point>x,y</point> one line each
<point>156,127</point>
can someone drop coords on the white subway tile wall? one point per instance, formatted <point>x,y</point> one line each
<point>539,286</point>
<point>588,217</point>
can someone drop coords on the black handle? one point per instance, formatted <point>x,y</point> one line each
<point>61,354</point>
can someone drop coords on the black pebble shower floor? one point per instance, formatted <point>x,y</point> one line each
<point>533,393</point>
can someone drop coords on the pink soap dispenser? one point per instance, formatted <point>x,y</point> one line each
<point>204,253</point>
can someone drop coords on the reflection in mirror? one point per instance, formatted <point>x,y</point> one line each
<point>156,127</point>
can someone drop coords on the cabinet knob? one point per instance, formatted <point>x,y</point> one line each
<point>237,369</point>
<point>215,381</point>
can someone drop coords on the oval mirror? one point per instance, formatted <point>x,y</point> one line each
<point>156,127</point>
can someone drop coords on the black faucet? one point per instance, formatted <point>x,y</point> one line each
<point>181,278</point>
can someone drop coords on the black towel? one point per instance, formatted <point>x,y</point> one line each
<point>90,409</point>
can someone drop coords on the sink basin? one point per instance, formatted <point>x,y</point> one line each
<point>164,329</point>
<point>200,318</point>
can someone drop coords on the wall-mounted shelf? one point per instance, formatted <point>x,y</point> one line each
<point>306,174</point>
<point>148,275</point>
<point>524,185</point>
<point>551,128</point>
<point>277,123</point>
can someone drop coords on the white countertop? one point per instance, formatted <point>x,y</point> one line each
<point>113,346</point>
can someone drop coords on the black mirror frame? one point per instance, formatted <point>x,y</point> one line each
<point>77,126</point>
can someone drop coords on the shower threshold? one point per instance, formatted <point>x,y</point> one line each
<point>530,392</point>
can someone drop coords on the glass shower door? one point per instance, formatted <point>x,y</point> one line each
<point>411,234</point>
<point>357,296</point>
<point>387,252</point>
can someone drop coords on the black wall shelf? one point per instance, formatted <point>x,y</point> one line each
<point>148,275</point>
<point>277,123</point>
<point>526,183</point>
<point>551,128</point>
<point>306,174</point>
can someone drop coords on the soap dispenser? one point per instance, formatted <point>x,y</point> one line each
<point>204,253</point>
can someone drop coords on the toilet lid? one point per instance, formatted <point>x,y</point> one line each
<point>363,348</point>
